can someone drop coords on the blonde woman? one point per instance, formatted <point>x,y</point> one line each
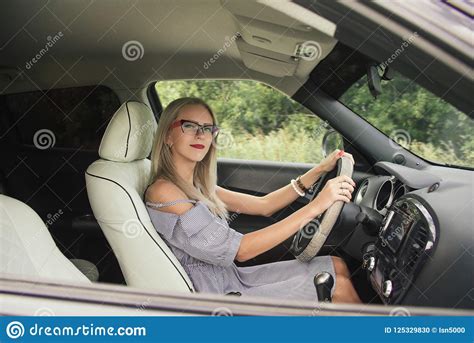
<point>190,212</point>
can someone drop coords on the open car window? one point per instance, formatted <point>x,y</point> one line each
<point>416,119</point>
<point>256,121</point>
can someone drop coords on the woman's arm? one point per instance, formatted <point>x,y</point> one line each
<point>257,242</point>
<point>284,196</point>
<point>268,204</point>
<point>243,203</point>
<point>276,200</point>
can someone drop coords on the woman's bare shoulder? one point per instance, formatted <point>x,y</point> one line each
<point>162,191</point>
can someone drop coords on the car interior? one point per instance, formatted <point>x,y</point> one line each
<point>79,108</point>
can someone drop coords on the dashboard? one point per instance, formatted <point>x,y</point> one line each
<point>406,240</point>
<point>409,260</point>
<point>380,192</point>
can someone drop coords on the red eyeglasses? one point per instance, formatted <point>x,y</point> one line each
<point>191,127</point>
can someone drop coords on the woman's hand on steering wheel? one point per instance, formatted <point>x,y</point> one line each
<point>325,206</point>
<point>338,188</point>
<point>329,163</point>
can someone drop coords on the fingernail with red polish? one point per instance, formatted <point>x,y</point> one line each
<point>340,153</point>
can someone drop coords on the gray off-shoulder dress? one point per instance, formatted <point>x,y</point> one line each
<point>206,247</point>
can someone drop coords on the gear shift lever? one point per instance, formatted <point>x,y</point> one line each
<point>323,282</point>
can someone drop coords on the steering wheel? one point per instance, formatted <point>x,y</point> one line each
<point>309,239</point>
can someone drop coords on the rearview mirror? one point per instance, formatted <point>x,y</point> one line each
<point>332,140</point>
<point>373,80</point>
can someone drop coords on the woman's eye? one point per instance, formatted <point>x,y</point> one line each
<point>208,129</point>
<point>189,125</point>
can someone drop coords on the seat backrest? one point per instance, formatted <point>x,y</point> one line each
<point>27,249</point>
<point>115,187</point>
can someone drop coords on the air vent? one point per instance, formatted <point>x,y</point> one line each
<point>361,192</point>
<point>416,247</point>
<point>384,195</point>
<point>401,190</point>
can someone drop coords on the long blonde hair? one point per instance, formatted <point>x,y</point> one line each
<point>205,172</point>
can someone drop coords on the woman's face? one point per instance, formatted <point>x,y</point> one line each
<point>189,146</point>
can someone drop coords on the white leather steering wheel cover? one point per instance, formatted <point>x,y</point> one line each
<point>330,218</point>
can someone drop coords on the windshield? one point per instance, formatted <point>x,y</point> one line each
<point>416,119</point>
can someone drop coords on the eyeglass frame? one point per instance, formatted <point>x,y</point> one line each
<point>179,122</point>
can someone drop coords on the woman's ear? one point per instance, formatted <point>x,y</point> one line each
<point>168,140</point>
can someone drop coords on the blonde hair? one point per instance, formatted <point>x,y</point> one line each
<point>205,171</point>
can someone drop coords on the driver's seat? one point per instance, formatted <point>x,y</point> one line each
<point>115,186</point>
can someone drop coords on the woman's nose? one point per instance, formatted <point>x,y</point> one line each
<point>200,132</point>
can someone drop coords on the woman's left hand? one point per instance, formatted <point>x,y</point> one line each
<point>329,163</point>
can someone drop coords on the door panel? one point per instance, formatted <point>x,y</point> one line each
<point>260,178</point>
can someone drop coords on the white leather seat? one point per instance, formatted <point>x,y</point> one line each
<point>115,187</point>
<point>27,249</point>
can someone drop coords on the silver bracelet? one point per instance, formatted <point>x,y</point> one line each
<point>296,188</point>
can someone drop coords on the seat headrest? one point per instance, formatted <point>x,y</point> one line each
<point>129,135</point>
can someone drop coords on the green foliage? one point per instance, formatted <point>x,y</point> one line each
<point>258,122</point>
<point>247,105</point>
<point>437,131</point>
<point>290,144</point>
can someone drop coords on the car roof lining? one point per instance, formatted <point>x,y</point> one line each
<point>90,50</point>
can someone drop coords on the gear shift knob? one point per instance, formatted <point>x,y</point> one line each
<point>323,282</point>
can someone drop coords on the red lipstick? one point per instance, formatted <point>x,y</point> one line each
<point>197,146</point>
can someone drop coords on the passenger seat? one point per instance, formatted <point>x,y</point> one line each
<point>27,249</point>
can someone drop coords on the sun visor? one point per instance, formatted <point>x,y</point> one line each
<point>266,61</point>
<point>271,41</point>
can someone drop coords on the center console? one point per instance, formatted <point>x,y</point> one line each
<point>407,236</point>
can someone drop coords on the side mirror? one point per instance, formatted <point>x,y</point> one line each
<point>332,141</point>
